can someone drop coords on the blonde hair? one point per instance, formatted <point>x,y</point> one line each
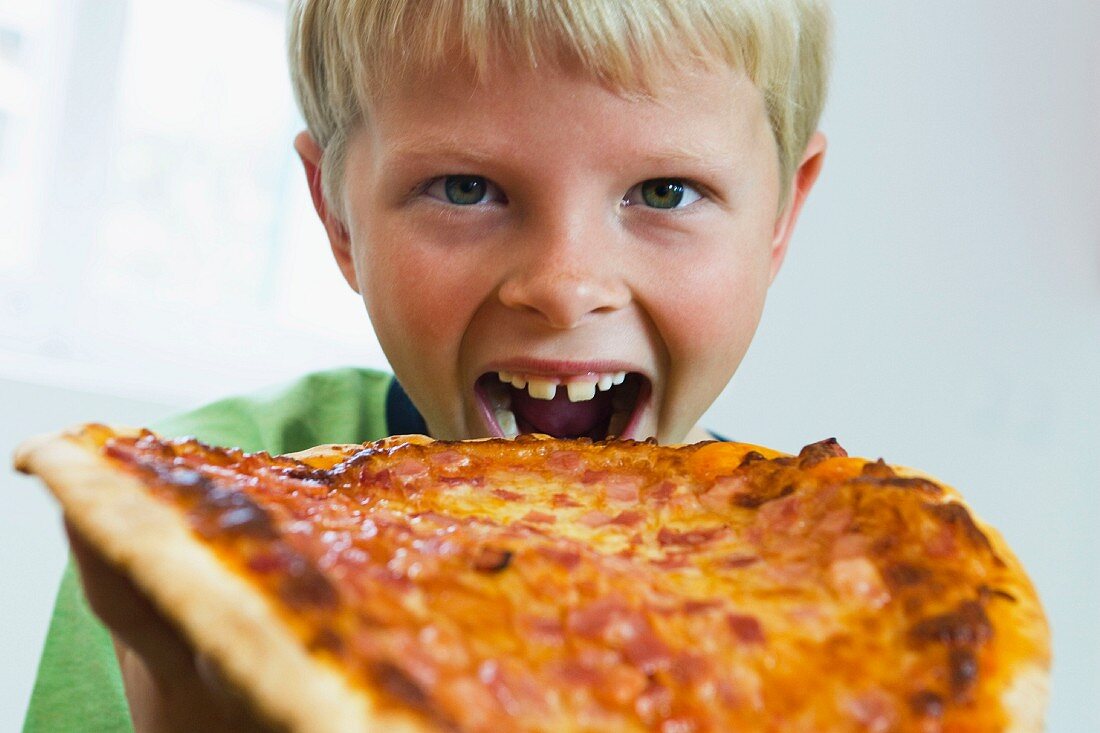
<point>343,52</point>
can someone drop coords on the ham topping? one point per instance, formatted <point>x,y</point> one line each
<point>857,580</point>
<point>662,492</point>
<point>746,628</point>
<point>738,561</point>
<point>561,501</point>
<point>689,538</point>
<point>565,460</point>
<point>628,518</point>
<point>875,711</point>
<point>539,517</point>
<point>622,488</point>
<point>594,519</point>
<point>409,469</point>
<point>721,496</point>
<point>566,557</point>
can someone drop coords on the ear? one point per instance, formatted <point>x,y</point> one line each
<point>312,156</point>
<point>801,183</point>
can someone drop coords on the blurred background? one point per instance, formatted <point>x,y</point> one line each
<point>940,305</point>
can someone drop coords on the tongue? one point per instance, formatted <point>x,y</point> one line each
<point>561,418</point>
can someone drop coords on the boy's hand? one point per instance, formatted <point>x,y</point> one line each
<point>169,687</point>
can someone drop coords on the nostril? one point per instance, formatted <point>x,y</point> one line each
<point>563,301</point>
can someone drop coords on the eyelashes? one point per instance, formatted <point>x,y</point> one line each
<point>465,190</point>
<point>472,190</point>
<point>662,193</point>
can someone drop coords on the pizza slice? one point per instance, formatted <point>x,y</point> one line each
<point>540,584</point>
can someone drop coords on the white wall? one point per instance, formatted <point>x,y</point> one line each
<point>32,543</point>
<point>940,307</point>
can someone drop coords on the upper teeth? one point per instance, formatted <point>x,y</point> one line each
<point>579,390</point>
<point>541,389</point>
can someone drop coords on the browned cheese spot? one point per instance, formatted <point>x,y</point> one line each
<point>815,453</point>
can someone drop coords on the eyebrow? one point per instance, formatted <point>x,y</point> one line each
<point>712,162</point>
<point>679,159</point>
<point>439,148</point>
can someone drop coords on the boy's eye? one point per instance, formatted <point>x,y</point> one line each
<point>464,190</point>
<point>662,193</point>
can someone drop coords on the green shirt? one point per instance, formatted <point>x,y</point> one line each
<point>79,687</point>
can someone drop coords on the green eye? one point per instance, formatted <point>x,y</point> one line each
<point>465,190</point>
<point>662,193</point>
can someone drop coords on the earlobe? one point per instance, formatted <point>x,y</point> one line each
<point>801,184</point>
<point>312,156</point>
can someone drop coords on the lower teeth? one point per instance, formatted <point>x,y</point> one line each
<point>506,419</point>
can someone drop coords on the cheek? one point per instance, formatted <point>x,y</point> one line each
<point>711,312</point>
<point>419,301</point>
<point>708,315</point>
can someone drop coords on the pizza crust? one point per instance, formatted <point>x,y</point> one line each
<point>1025,701</point>
<point>224,616</point>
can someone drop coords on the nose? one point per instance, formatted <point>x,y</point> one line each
<point>564,276</point>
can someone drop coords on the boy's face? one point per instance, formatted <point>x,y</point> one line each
<point>541,225</point>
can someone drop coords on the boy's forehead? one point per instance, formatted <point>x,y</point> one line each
<point>699,119</point>
<point>505,87</point>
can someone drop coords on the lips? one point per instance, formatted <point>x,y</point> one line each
<point>592,404</point>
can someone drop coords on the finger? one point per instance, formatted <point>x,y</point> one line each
<point>187,690</point>
<point>235,707</point>
<point>209,671</point>
<point>127,611</point>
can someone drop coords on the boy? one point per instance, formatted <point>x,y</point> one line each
<point>563,216</point>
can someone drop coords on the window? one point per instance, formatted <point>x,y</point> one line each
<point>159,240</point>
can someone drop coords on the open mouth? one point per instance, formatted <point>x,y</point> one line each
<point>595,405</point>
